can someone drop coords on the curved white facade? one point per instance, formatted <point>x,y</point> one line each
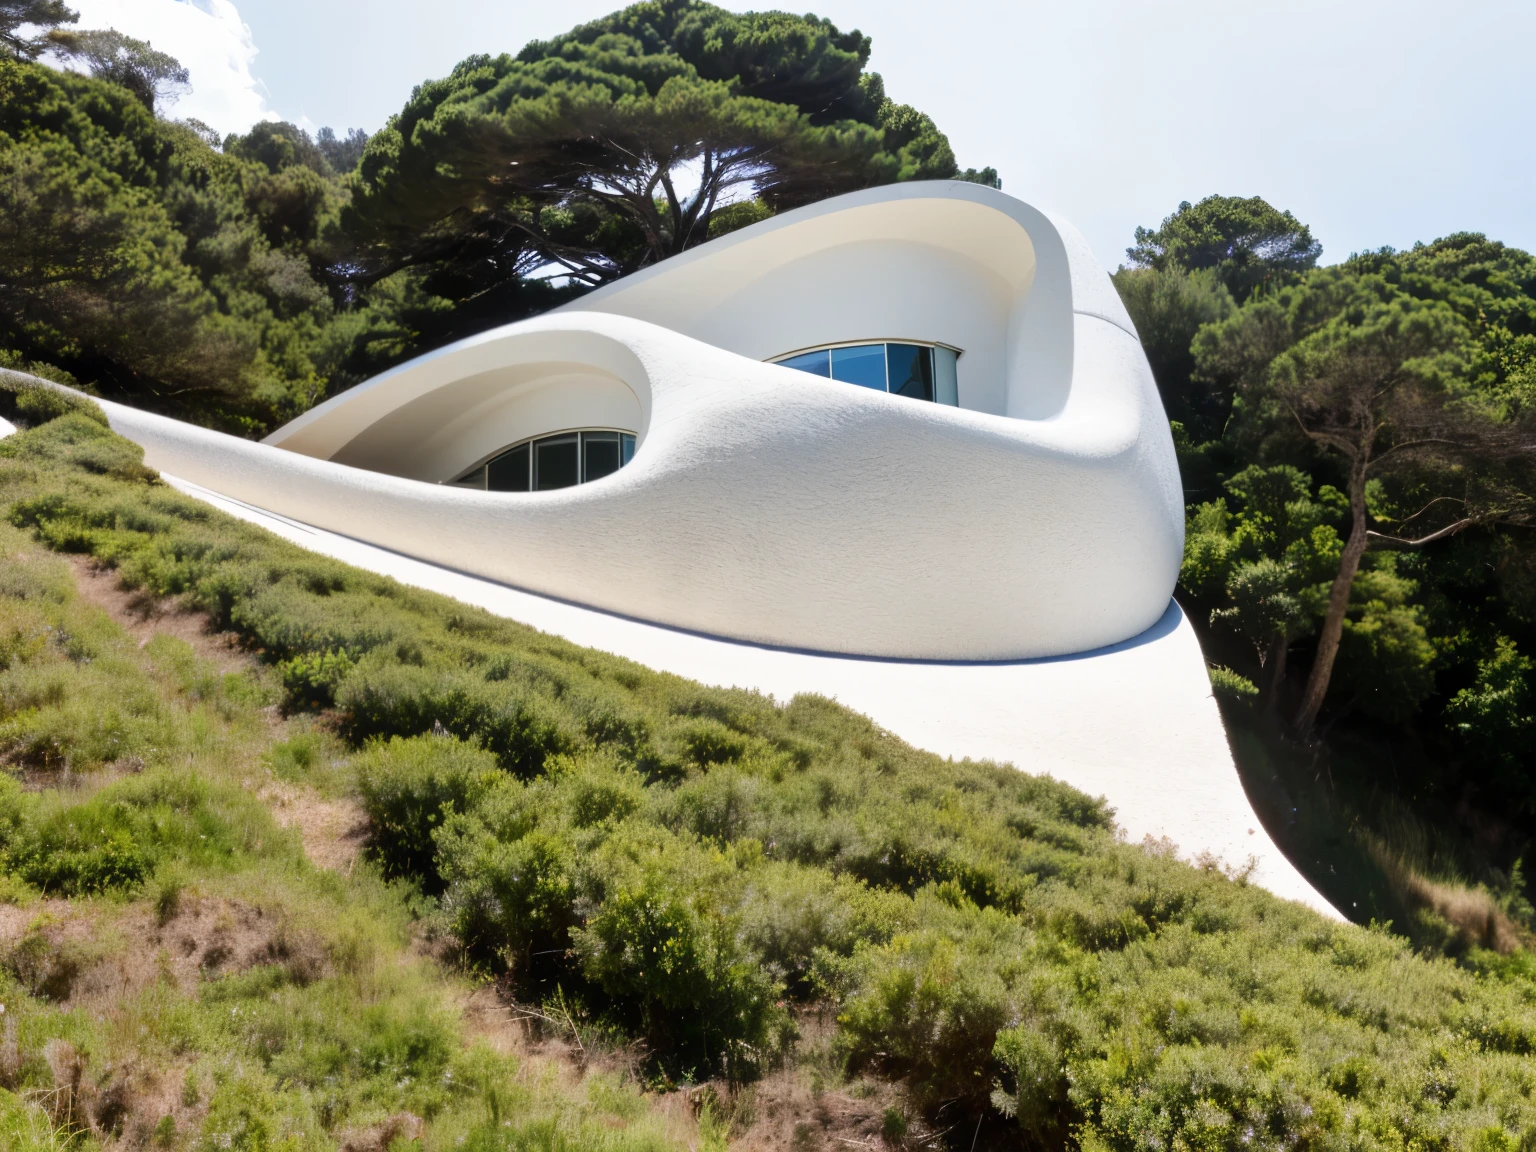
<point>1042,516</point>
<point>817,520</point>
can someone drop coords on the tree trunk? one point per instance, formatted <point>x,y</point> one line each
<point>1274,671</point>
<point>1338,602</point>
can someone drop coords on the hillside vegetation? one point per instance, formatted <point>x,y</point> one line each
<point>694,876</point>
<point>1368,602</point>
<point>1356,443</point>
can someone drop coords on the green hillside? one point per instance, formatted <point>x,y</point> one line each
<point>293,857</point>
<point>688,892</point>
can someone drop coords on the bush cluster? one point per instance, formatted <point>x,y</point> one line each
<point>308,1022</point>
<point>687,865</point>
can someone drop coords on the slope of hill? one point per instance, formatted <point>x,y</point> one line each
<point>688,886</point>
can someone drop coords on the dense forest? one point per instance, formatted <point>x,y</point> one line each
<point>961,957</point>
<point>1356,443</point>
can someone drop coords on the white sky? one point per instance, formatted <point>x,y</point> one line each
<point>1376,122</point>
<point>209,38</point>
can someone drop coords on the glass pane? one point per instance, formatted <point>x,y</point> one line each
<point>813,362</point>
<point>509,471</point>
<point>475,479</point>
<point>911,368</point>
<point>946,379</point>
<point>626,448</point>
<point>599,455</point>
<point>863,365</point>
<point>555,462</point>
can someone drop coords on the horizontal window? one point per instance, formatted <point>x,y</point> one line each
<point>917,371</point>
<point>549,462</point>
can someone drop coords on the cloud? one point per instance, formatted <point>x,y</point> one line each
<point>209,38</point>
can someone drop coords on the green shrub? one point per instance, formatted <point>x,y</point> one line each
<point>793,917</point>
<point>63,859</point>
<point>310,678</point>
<point>1227,685</point>
<point>32,402</point>
<point>79,434</point>
<point>674,859</point>
<point>116,838</point>
<point>511,886</point>
<point>928,1006</point>
<point>522,729</point>
<point>677,971</point>
<point>409,788</point>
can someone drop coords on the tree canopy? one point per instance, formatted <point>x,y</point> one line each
<point>622,143</point>
<point>238,280</point>
<point>153,76</point>
<point>1357,444</point>
<point>141,260</point>
<point>1245,241</point>
<point>43,15</point>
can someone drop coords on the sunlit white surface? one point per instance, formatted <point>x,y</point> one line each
<point>1040,517</point>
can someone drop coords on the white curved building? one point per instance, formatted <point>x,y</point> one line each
<point>1003,485</point>
<point>912,425</point>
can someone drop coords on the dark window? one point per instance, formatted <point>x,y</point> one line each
<point>556,462</point>
<point>509,471</point>
<point>911,370</point>
<point>599,455</point>
<point>552,462</point>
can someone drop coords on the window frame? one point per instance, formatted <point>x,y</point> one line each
<point>884,342</point>
<point>481,466</point>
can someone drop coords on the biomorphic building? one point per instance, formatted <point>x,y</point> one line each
<point>901,447</point>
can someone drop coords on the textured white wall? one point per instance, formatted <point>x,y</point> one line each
<point>941,261</point>
<point>774,506</point>
<point>1043,517</point>
<point>874,290</point>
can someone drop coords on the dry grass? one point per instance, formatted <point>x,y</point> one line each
<point>333,831</point>
<point>143,616</point>
<point>93,955</point>
<point>1472,913</point>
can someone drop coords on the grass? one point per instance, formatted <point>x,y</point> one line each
<point>178,974</point>
<point>689,875</point>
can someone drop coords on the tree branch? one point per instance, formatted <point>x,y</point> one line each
<point>1406,444</point>
<point>1449,530</point>
<point>1427,507</point>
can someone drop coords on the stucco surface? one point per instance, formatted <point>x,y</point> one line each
<point>1044,516</point>
<point>772,506</point>
<point>1134,723</point>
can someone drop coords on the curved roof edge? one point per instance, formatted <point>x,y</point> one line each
<point>1092,292</point>
<point>1060,253</point>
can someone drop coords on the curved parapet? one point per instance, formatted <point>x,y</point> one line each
<point>1037,513</point>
